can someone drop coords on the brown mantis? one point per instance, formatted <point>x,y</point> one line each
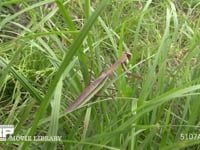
<point>94,87</point>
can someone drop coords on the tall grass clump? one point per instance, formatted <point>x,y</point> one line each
<point>52,50</point>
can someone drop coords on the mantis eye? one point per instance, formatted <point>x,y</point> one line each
<point>128,55</point>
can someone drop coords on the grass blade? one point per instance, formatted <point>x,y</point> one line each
<point>74,48</point>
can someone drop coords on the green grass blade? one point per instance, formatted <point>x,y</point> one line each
<point>8,19</point>
<point>74,48</point>
<point>24,82</point>
<point>54,123</point>
<point>66,15</point>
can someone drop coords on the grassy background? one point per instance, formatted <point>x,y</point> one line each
<point>51,50</point>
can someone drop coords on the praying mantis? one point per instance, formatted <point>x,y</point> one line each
<point>94,87</point>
